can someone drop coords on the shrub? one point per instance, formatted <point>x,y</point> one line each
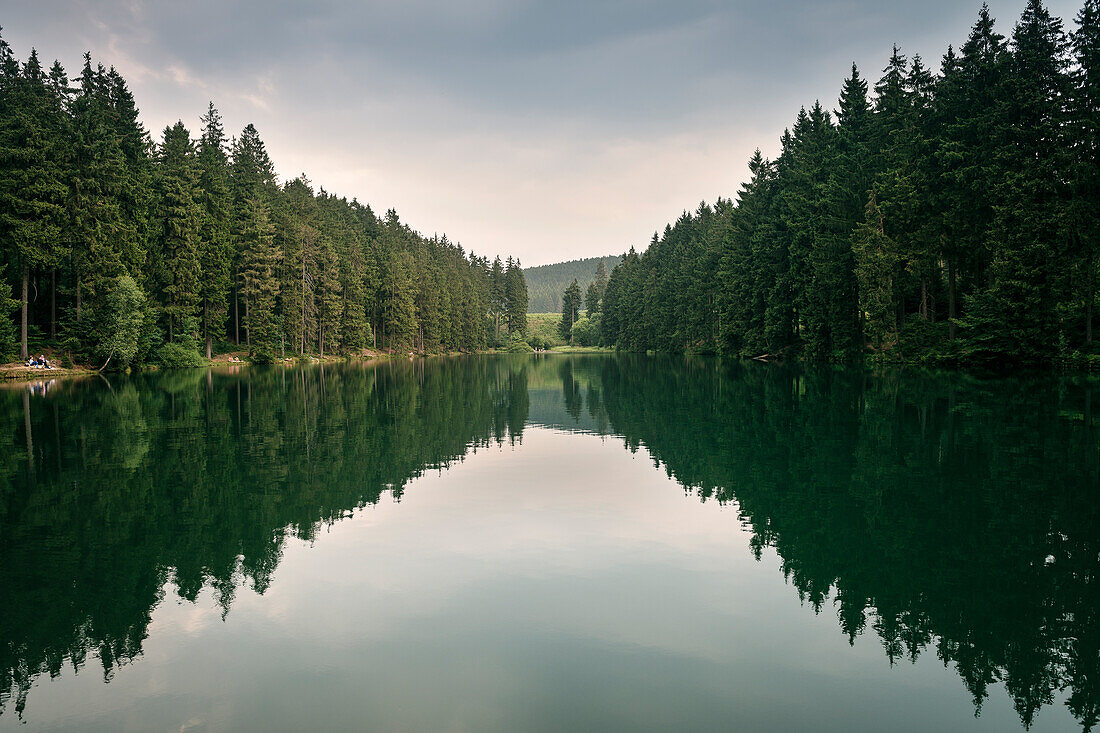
<point>179,356</point>
<point>585,332</point>
<point>518,345</point>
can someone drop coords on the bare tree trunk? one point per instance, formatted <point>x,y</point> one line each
<point>79,299</point>
<point>206,328</point>
<point>924,297</point>
<point>23,317</point>
<point>53,303</point>
<point>951,311</point>
<point>236,319</point>
<point>1088,314</point>
<point>303,349</point>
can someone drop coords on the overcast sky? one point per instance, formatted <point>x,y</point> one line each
<point>548,130</point>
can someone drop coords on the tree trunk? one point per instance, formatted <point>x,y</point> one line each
<point>951,311</point>
<point>924,297</point>
<point>79,300</point>
<point>1088,314</point>
<point>206,328</point>
<point>53,303</point>
<point>23,353</point>
<point>236,319</point>
<point>302,350</point>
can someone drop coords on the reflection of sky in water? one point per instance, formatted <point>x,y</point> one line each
<point>561,584</point>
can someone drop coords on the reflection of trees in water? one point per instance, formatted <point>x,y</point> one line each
<point>944,513</point>
<point>197,478</point>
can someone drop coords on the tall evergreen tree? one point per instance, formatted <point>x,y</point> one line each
<point>260,281</point>
<point>515,298</point>
<point>570,309</point>
<point>215,247</point>
<point>1083,221</point>
<point>179,216</point>
<point>33,162</point>
<point>1029,260</point>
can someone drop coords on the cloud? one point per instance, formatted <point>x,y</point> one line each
<point>550,130</point>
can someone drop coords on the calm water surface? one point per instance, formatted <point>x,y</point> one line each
<point>549,543</point>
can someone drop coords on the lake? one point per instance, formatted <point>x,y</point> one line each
<point>549,542</point>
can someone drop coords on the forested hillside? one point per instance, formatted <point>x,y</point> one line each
<point>546,283</point>
<point>125,250</point>
<point>949,217</point>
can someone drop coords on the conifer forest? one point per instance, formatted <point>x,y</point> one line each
<point>943,216</point>
<point>117,249</point>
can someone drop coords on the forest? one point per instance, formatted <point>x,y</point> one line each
<point>547,282</point>
<point>118,250</point>
<point>948,217</point>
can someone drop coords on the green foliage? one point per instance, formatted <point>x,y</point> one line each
<point>547,282</point>
<point>515,298</point>
<point>9,340</point>
<point>586,331</point>
<point>224,253</point>
<point>966,198</point>
<point>179,356</point>
<point>119,323</point>
<point>570,309</point>
<point>517,344</point>
<point>876,263</point>
<point>543,330</point>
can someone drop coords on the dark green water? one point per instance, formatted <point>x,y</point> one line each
<point>549,543</point>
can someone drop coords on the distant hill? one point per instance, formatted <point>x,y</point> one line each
<point>546,283</point>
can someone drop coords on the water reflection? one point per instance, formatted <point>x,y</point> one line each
<point>942,514</point>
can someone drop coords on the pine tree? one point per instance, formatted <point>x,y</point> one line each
<point>592,299</point>
<point>33,162</point>
<point>260,282</point>
<point>570,308</point>
<point>330,317</point>
<point>251,178</point>
<point>97,180</point>
<point>1028,263</point>
<point>970,98</point>
<point>215,248</point>
<point>601,279</point>
<point>497,303</point>
<point>876,267</point>
<point>515,298</point>
<point>178,221</point>
<point>1083,220</point>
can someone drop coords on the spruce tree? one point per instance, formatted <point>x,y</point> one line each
<point>179,216</point>
<point>1029,261</point>
<point>33,163</point>
<point>215,248</point>
<point>259,279</point>
<point>1083,220</point>
<point>592,299</point>
<point>97,180</point>
<point>570,308</point>
<point>515,297</point>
